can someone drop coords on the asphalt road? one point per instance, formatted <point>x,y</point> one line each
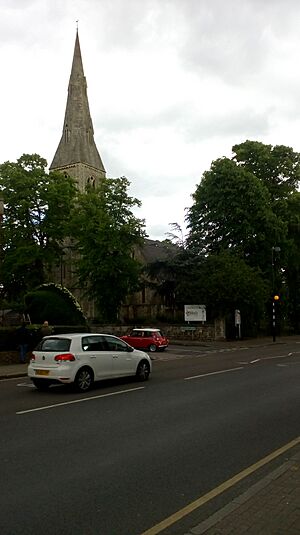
<point>127,455</point>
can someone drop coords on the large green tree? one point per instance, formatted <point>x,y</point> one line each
<point>277,167</point>
<point>106,232</point>
<point>232,210</point>
<point>249,206</point>
<point>36,221</point>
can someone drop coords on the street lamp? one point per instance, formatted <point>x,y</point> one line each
<point>275,297</point>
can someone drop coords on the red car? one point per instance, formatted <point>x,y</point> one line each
<point>149,339</point>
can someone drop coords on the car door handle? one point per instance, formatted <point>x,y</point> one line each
<point>115,356</point>
<point>93,357</point>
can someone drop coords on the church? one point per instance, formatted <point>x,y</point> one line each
<point>78,157</point>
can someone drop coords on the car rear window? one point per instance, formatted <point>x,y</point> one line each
<point>153,334</point>
<point>54,344</point>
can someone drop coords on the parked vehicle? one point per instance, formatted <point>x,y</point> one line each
<point>147,338</point>
<point>83,358</point>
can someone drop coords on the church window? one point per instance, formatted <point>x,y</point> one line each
<point>67,134</point>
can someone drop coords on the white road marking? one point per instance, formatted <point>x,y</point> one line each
<point>269,358</point>
<point>28,385</point>
<point>277,357</point>
<point>80,400</point>
<point>213,373</point>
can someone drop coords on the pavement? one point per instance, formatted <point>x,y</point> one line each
<point>271,506</point>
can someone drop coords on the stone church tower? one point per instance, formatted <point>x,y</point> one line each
<point>77,154</point>
<point>78,157</point>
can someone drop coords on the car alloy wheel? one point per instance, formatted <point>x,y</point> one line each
<point>84,379</point>
<point>143,371</point>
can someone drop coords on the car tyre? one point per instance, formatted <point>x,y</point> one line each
<point>152,348</point>
<point>143,371</point>
<point>84,380</point>
<point>41,384</point>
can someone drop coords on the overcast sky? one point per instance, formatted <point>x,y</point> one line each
<point>172,85</point>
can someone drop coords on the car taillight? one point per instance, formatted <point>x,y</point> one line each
<point>32,356</point>
<point>65,357</point>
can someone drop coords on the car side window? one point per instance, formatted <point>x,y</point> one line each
<point>113,344</point>
<point>138,334</point>
<point>94,343</point>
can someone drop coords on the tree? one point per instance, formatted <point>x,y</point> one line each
<point>249,205</point>
<point>225,282</point>
<point>36,220</point>
<point>277,167</point>
<point>105,232</point>
<point>232,210</point>
<point>222,282</point>
<point>292,271</point>
<point>54,303</point>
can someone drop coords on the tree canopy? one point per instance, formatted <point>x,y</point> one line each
<point>36,221</point>
<point>243,241</point>
<point>232,210</point>
<point>46,217</point>
<point>106,231</point>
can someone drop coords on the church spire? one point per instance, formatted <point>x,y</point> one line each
<point>77,146</point>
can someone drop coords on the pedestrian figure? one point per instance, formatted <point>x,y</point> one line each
<point>23,341</point>
<point>45,329</point>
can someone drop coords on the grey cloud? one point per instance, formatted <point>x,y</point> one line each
<point>231,40</point>
<point>241,123</point>
<point>190,123</point>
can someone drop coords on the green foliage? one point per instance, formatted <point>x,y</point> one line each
<point>232,210</point>
<point>106,232</point>
<point>54,304</point>
<point>248,206</point>
<point>222,282</point>
<point>277,167</point>
<point>292,271</point>
<point>36,220</point>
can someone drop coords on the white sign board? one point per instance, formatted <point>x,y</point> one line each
<point>237,317</point>
<point>195,312</point>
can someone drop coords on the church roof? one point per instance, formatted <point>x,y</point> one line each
<point>77,144</point>
<point>158,251</point>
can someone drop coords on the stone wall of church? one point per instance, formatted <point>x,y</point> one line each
<point>83,175</point>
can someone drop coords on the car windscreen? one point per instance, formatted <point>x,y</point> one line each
<point>136,333</point>
<point>54,344</point>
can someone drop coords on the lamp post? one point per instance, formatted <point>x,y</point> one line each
<point>275,297</point>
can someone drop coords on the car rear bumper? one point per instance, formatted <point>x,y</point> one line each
<point>61,374</point>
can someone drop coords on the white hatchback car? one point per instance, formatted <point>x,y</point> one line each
<point>84,358</point>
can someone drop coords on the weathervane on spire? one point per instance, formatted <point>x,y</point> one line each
<point>77,24</point>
